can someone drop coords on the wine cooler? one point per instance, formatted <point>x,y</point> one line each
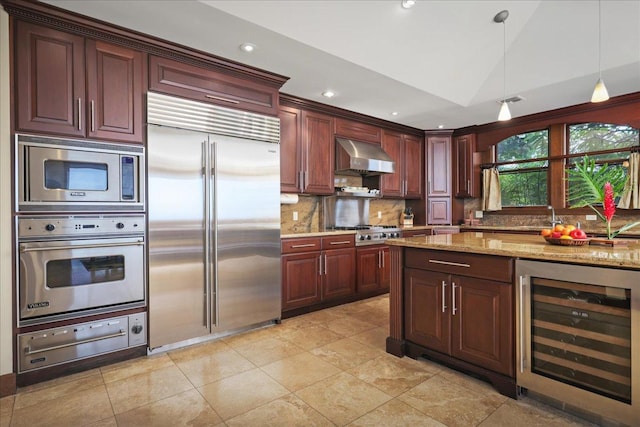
<point>579,338</point>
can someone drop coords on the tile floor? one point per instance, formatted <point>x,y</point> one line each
<point>327,368</point>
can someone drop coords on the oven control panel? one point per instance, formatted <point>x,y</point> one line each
<point>75,226</point>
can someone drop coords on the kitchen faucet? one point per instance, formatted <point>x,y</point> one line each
<point>554,219</point>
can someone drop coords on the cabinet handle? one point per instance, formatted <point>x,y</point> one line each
<point>453,298</point>
<point>325,264</point>
<point>523,359</point>
<point>306,245</point>
<point>79,113</point>
<point>469,186</point>
<point>320,263</point>
<point>444,295</point>
<point>219,98</point>
<point>456,264</point>
<point>382,258</point>
<point>342,242</point>
<point>93,117</point>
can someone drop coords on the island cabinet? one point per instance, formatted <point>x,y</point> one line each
<point>74,86</point>
<point>408,154</point>
<point>373,274</point>
<point>307,152</point>
<point>458,307</point>
<point>317,269</point>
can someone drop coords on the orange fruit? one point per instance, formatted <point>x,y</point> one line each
<point>546,232</point>
<point>558,228</point>
<point>568,229</point>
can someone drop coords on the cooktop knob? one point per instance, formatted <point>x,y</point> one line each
<point>136,329</point>
<point>384,235</point>
<point>49,227</point>
<point>368,236</point>
<point>120,225</point>
<point>361,237</point>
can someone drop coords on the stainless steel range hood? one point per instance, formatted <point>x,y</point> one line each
<point>361,158</point>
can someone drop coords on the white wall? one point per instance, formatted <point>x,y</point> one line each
<point>6,285</point>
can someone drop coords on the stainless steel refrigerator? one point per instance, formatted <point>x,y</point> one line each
<point>214,221</point>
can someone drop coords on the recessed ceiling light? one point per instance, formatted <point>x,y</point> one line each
<point>408,4</point>
<point>328,94</point>
<point>440,126</point>
<point>395,113</point>
<point>247,47</point>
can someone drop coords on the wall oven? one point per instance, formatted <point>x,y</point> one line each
<point>73,266</point>
<point>579,338</point>
<point>62,175</point>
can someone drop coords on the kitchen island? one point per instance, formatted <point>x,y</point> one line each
<point>453,297</point>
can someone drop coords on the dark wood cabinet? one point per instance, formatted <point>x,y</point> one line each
<point>439,210</point>
<point>466,171</point>
<point>211,86</point>
<point>461,305</point>
<point>373,269</point>
<point>358,131</point>
<point>290,150</point>
<point>317,270</point>
<point>408,154</point>
<point>438,204</point>
<point>69,85</point>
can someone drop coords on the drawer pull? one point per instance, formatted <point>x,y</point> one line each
<point>455,264</point>
<point>343,242</point>
<point>306,245</point>
<point>219,98</point>
<point>444,296</point>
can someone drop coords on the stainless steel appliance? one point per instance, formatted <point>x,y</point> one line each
<point>361,158</point>
<point>56,175</point>
<point>214,221</point>
<point>53,346</point>
<point>72,266</point>
<point>579,338</point>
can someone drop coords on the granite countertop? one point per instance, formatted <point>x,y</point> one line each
<point>527,247</point>
<point>633,233</point>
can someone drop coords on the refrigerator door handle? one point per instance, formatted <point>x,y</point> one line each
<point>207,239</point>
<point>212,229</point>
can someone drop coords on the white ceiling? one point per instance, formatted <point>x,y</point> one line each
<point>439,63</point>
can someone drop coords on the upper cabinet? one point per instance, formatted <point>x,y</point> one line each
<point>407,153</point>
<point>307,152</point>
<point>69,85</point>
<point>207,85</point>
<point>439,166</point>
<point>358,131</point>
<point>466,177</point>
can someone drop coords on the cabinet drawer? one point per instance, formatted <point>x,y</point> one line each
<point>201,84</point>
<point>462,264</point>
<point>339,242</point>
<point>305,244</point>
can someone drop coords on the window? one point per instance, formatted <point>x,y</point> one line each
<point>522,162</point>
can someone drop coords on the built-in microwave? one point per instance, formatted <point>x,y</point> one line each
<point>64,175</point>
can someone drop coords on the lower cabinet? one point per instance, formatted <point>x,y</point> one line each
<point>317,269</point>
<point>468,318</point>
<point>373,273</point>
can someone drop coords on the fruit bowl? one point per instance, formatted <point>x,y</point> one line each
<point>567,242</point>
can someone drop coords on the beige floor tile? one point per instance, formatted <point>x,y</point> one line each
<point>450,403</point>
<point>6,410</point>
<point>346,353</point>
<point>323,316</point>
<point>74,409</point>
<point>60,380</point>
<point>300,370</point>
<point>396,414</point>
<point>377,317</point>
<point>287,411</point>
<point>197,351</point>
<point>133,392</point>
<point>311,337</point>
<point>243,392</point>
<point>57,390</point>
<point>349,326</point>
<point>184,409</point>
<point>244,338</point>
<point>129,368</point>
<point>268,350</point>
<point>342,398</point>
<point>467,381</point>
<point>531,414</point>
<point>215,366</point>
<point>107,422</point>
<point>392,375</point>
<point>376,337</point>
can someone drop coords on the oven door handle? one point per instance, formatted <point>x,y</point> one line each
<point>28,351</point>
<point>25,248</point>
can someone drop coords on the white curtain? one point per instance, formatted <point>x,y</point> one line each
<point>630,198</point>
<point>491,196</point>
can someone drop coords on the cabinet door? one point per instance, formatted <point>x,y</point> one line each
<point>439,210</point>
<point>319,153</point>
<point>358,131</point>
<point>413,167</point>
<point>290,150</point>
<point>300,279</point>
<point>384,273</point>
<point>482,324</point>
<point>426,309</point>
<point>114,92</point>
<point>439,166</point>
<point>368,265</point>
<point>339,273</point>
<point>50,81</point>
<point>464,181</point>
<point>391,184</point>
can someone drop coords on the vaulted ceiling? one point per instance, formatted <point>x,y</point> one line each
<point>439,63</point>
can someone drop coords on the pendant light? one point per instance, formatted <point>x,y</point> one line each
<point>500,18</point>
<point>600,91</point>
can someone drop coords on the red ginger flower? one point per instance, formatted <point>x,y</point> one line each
<point>609,207</point>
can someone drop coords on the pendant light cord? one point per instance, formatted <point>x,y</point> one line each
<point>504,61</point>
<point>599,40</point>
